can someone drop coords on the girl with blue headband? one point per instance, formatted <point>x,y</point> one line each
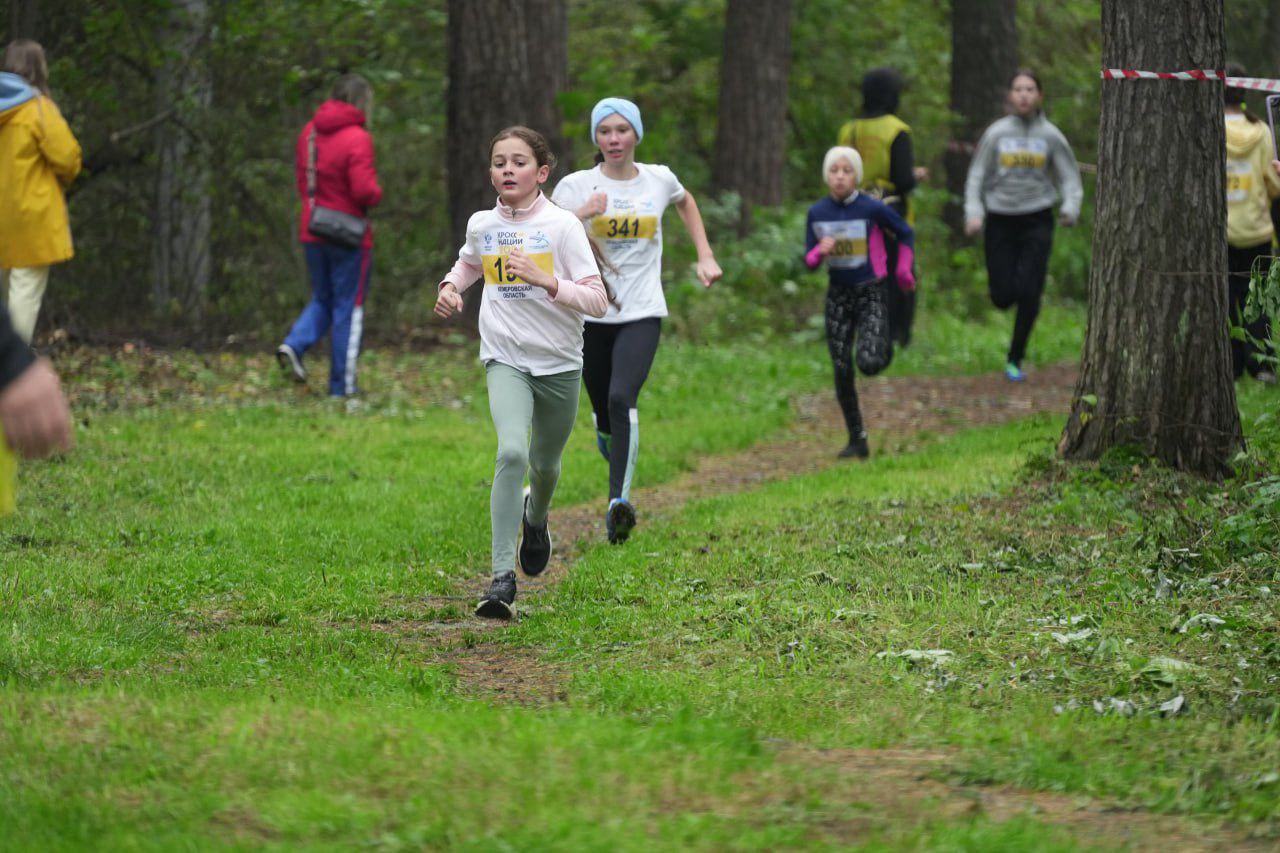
<point>622,202</point>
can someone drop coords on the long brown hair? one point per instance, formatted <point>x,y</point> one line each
<point>1236,97</point>
<point>543,156</point>
<point>25,58</point>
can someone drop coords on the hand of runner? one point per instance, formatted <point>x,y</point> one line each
<point>825,245</point>
<point>1275,164</point>
<point>972,226</point>
<point>522,265</point>
<point>34,414</point>
<point>448,301</point>
<point>921,174</point>
<point>595,206</point>
<point>1066,221</point>
<point>708,271</point>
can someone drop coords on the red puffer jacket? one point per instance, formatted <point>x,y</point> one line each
<point>346,179</point>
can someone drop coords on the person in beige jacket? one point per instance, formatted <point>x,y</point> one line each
<point>39,158</point>
<point>1251,186</point>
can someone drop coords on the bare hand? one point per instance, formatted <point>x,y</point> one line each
<point>34,414</point>
<point>448,301</point>
<point>1066,221</point>
<point>708,271</point>
<point>595,206</point>
<point>1275,164</point>
<point>523,266</point>
<point>921,174</point>
<point>972,226</point>
<point>825,245</point>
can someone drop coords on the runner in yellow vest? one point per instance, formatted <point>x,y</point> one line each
<point>884,141</point>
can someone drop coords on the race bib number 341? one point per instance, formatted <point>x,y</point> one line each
<point>621,227</point>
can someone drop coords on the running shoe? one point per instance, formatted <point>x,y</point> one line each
<point>496,603</point>
<point>619,521</point>
<point>604,443</point>
<point>857,448</point>
<point>290,363</point>
<point>1266,377</point>
<point>535,544</point>
<point>1013,373</point>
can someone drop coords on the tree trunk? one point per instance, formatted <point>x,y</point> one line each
<point>24,20</point>
<point>984,55</point>
<point>508,62</point>
<point>755,67</point>
<point>1156,370</point>
<point>181,254</point>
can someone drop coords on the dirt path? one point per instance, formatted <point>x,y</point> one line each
<point>898,787</point>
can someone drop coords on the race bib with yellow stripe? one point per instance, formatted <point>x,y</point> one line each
<point>622,226</point>
<point>1239,180</point>
<point>496,247</point>
<point>8,478</point>
<point>1023,153</point>
<point>850,250</point>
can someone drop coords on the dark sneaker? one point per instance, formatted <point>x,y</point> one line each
<point>604,444</point>
<point>497,602</point>
<point>856,448</point>
<point>619,521</point>
<point>290,363</point>
<point>535,545</point>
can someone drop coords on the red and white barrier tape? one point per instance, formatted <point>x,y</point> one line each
<point>1257,83</point>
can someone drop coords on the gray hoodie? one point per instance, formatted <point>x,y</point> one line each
<point>1019,167</point>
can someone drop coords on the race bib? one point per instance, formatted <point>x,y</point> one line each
<point>1023,154</point>
<point>497,245</point>
<point>623,226</point>
<point>1239,180</point>
<point>850,250</point>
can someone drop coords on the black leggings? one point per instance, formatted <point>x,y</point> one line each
<point>1246,354</point>
<point>857,315</point>
<point>1017,262</point>
<point>615,363</point>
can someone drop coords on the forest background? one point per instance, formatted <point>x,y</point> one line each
<point>148,99</point>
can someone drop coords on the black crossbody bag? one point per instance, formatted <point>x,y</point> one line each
<point>332,226</point>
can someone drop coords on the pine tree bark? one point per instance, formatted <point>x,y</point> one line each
<point>984,55</point>
<point>754,74</point>
<point>181,257</point>
<point>508,62</point>
<point>1156,369</point>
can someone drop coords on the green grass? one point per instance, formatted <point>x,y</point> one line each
<point>187,659</point>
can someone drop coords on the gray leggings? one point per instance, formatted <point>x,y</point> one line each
<point>533,416</point>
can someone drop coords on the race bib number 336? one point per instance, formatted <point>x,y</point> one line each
<point>1022,153</point>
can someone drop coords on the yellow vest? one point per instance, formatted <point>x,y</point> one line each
<point>873,137</point>
<point>8,478</point>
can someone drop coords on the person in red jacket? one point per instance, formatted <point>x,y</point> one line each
<point>343,178</point>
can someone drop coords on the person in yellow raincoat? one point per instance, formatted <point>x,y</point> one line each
<point>39,158</point>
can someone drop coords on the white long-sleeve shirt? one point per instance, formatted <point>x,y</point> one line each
<point>521,325</point>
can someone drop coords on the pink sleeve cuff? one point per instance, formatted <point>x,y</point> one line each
<point>813,260</point>
<point>462,276</point>
<point>586,295</point>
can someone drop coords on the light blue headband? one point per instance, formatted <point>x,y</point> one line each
<point>618,106</point>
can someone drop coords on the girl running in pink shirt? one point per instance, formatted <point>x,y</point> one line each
<point>540,278</point>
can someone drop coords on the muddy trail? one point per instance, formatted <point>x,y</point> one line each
<point>893,789</point>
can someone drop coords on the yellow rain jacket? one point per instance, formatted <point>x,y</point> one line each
<point>39,158</point>
<point>1251,183</point>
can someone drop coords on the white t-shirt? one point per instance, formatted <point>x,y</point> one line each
<point>521,325</point>
<point>629,231</point>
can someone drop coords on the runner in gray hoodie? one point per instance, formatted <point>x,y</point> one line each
<point>1021,164</point>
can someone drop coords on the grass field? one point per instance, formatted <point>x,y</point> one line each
<point>214,627</point>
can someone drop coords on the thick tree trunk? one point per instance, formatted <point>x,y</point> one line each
<point>181,254</point>
<point>754,72</point>
<point>508,62</point>
<point>24,20</point>
<point>1156,371</point>
<point>984,55</point>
